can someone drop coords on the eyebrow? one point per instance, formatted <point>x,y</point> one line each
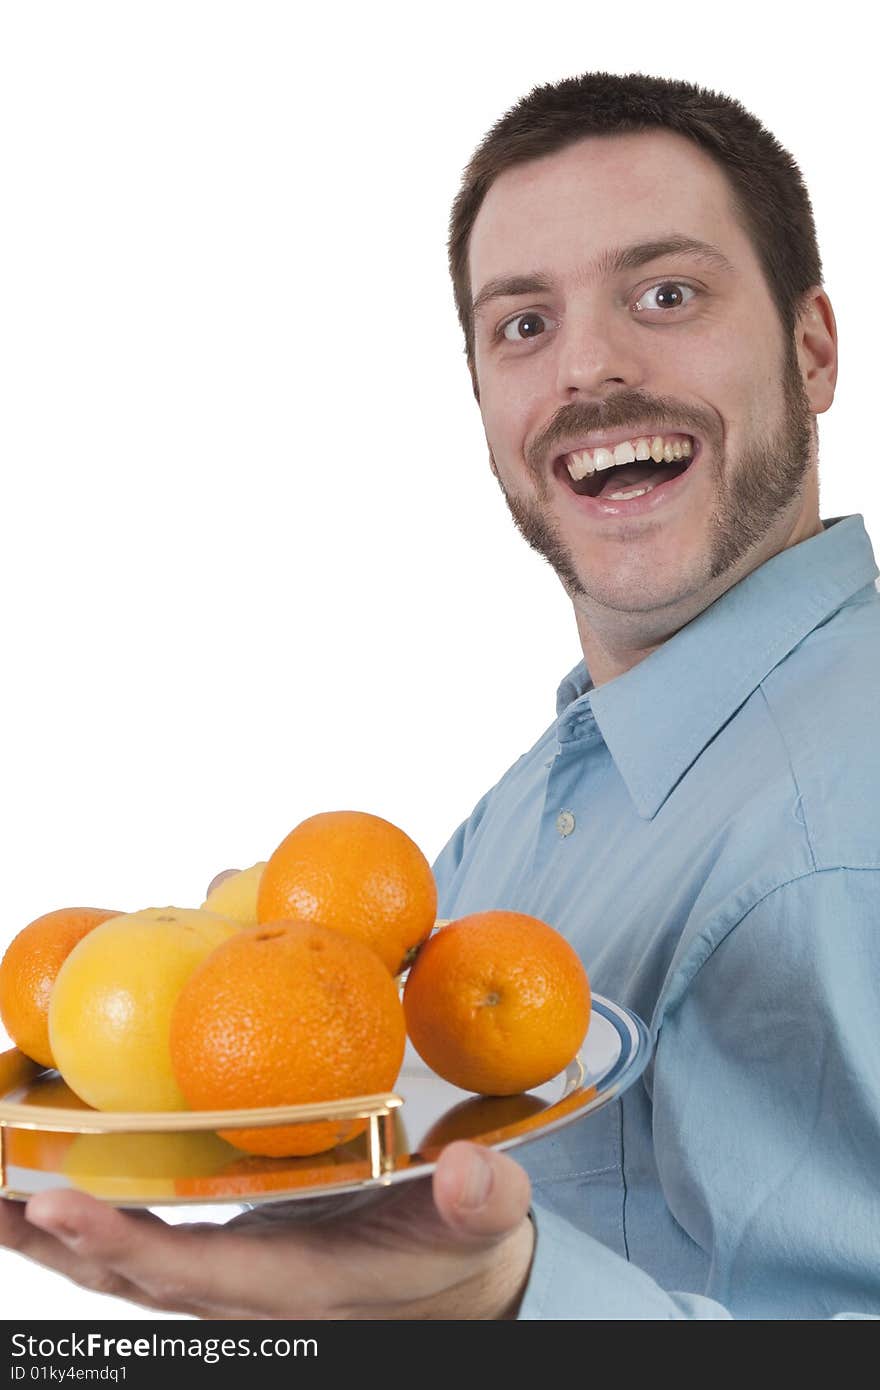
<point>606,264</point>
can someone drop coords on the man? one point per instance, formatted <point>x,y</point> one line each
<point>649,341</point>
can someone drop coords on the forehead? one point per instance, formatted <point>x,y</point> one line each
<point>556,213</point>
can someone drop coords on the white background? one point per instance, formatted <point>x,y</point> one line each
<point>254,564</point>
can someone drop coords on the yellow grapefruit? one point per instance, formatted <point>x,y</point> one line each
<point>110,1009</point>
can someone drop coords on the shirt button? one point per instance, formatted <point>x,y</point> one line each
<point>565,822</point>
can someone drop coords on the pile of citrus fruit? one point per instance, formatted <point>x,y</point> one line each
<point>297,980</point>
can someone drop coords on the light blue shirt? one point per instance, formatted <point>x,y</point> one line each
<point>721,879</point>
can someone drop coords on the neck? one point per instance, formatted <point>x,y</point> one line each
<point>610,655</point>
<point>613,642</point>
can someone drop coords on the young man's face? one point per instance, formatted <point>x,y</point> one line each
<point>677,347</point>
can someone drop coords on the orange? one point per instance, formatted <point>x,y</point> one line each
<point>28,971</point>
<point>497,1002</point>
<point>286,1014</point>
<point>358,874</point>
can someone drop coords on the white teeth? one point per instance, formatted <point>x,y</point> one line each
<point>584,464</point>
<point>636,492</point>
<point>578,466</point>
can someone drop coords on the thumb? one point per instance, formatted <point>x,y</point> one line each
<point>479,1193</point>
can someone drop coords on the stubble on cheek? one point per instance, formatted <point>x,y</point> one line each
<point>537,529</point>
<point>767,482</point>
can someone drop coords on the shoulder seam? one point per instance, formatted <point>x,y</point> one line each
<point>706,949</point>
<point>799,804</point>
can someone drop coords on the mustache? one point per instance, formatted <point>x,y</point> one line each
<point>627,408</point>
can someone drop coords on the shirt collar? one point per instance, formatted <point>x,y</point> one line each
<point>658,717</point>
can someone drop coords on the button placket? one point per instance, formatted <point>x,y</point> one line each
<point>577,736</point>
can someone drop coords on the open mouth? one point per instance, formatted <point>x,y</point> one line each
<point>630,469</point>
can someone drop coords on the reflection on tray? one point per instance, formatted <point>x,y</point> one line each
<point>185,1165</point>
<point>481,1118</point>
<point>200,1166</point>
<point>43,1150</point>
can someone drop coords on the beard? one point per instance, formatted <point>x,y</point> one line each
<point>753,491</point>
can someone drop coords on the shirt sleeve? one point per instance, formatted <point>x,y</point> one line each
<point>766,1120</point>
<point>448,861</point>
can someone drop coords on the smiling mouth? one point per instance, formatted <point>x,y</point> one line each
<point>628,469</point>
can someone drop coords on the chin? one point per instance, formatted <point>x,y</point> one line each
<point>639,590</point>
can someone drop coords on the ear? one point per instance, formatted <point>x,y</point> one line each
<point>816,345</point>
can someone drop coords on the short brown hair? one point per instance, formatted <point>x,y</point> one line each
<point>768,191</point>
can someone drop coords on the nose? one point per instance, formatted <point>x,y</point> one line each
<point>594,354</point>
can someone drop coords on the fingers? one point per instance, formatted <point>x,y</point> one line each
<point>218,878</point>
<point>480,1193</point>
<point>19,1234</point>
<point>105,1249</point>
<point>202,1269</point>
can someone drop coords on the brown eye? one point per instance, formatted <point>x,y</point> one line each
<point>669,297</point>
<point>669,294</point>
<point>523,327</point>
